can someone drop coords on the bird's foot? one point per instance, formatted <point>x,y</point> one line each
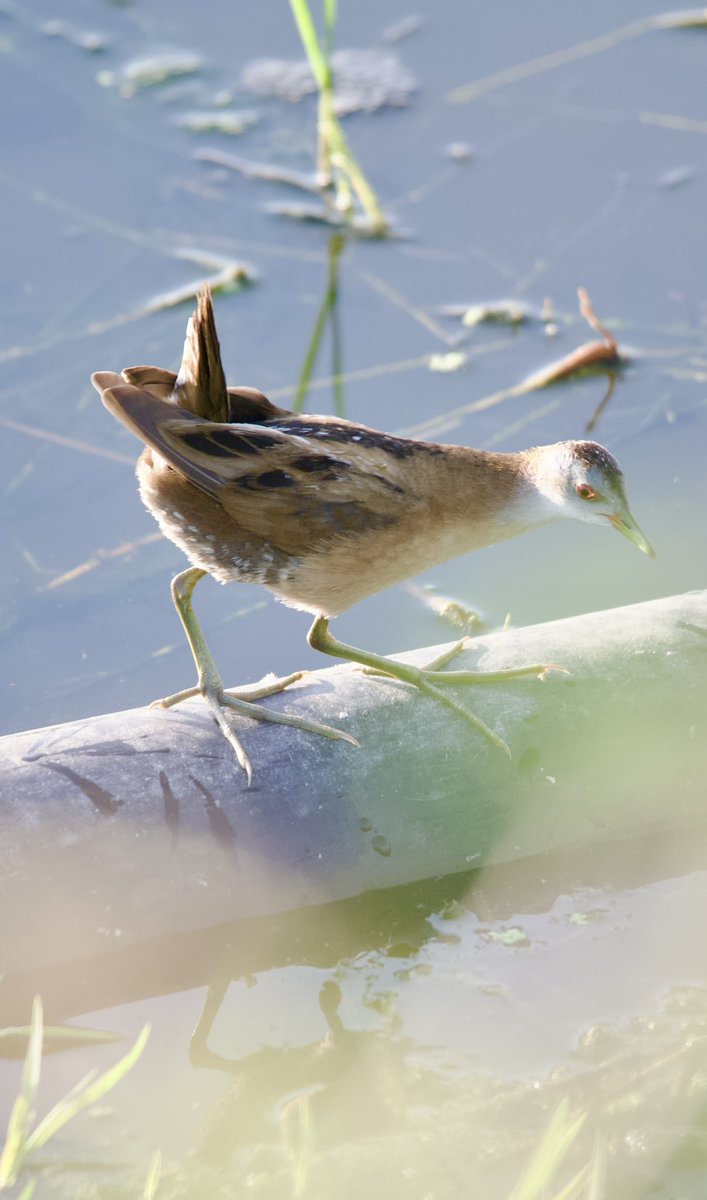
<point>435,672</point>
<point>432,674</point>
<point>240,700</point>
<point>429,678</point>
<point>269,686</point>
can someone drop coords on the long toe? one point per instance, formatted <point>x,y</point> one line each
<point>269,686</point>
<point>259,713</point>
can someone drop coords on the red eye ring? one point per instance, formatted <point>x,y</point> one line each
<point>585,492</point>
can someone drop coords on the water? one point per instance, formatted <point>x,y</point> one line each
<point>591,173</point>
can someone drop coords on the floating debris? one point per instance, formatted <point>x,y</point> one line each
<point>676,177</point>
<point>595,355</point>
<point>547,316</point>
<point>89,39</point>
<point>454,360</point>
<point>270,172</point>
<point>228,276</point>
<point>151,70</point>
<point>500,312</point>
<point>691,18</point>
<point>666,121</point>
<point>402,29</point>
<point>507,937</point>
<point>459,151</point>
<point>604,356</point>
<point>221,120</point>
<point>364,80</point>
<point>222,98</point>
<point>321,215</point>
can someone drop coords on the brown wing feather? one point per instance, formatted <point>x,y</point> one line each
<point>156,380</point>
<point>201,384</point>
<point>244,403</point>
<point>248,404</point>
<point>290,490</point>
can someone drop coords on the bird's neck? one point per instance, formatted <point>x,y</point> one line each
<point>491,497</point>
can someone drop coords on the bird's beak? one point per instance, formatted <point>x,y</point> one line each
<point>624,522</point>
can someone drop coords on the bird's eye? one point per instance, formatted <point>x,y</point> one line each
<point>585,492</point>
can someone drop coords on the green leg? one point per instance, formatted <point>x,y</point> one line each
<point>210,684</point>
<point>424,678</point>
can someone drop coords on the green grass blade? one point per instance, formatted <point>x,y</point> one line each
<point>333,149</point>
<point>61,1033</point>
<point>153,1177</point>
<point>22,1115</point>
<point>310,41</point>
<point>337,364</point>
<point>554,1144</point>
<point>336,245</point>
<point>330,14</point>
<point>28,1190</point>
<point>571,1190</point>
<point>312,354</point>
<point>299,1138</point>
<point>86,1094</point>
<point>343,158</point>
<point>596,1184</point>
<point>327,309</point>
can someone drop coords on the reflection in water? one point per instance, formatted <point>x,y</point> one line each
<point>369,1113</point>
<point>388,1046</point>
<point>328,313</point>
<point>593,421</point>
<point>330,1075</point>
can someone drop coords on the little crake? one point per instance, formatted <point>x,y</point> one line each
<point>325,512</point>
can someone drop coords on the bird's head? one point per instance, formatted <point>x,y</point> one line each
<point>584,481</point>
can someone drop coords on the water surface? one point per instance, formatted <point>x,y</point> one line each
<point>586,172</point>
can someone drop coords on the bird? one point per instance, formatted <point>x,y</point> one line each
<point>325,512</point>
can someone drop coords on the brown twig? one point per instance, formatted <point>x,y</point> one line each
<point>604,353</point>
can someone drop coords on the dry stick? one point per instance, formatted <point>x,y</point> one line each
<point>375,372</point>
<point>587,310</point>
<point>102,556</point>
<point>226,274</point>
<point>522,422</point>
<point>269,172</point>
<point>667,121</point>
<point>59,439</point>
<point>398,300</point>
<point>690,18</point>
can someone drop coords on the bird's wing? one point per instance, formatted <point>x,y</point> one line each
<point>293,489</point>
<point>248,404</point>
<point>153,379</point>
<point>244,403</point>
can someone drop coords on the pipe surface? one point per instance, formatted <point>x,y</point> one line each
<point>126,827</point>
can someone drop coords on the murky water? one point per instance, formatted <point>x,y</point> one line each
<point>418,1042</point>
